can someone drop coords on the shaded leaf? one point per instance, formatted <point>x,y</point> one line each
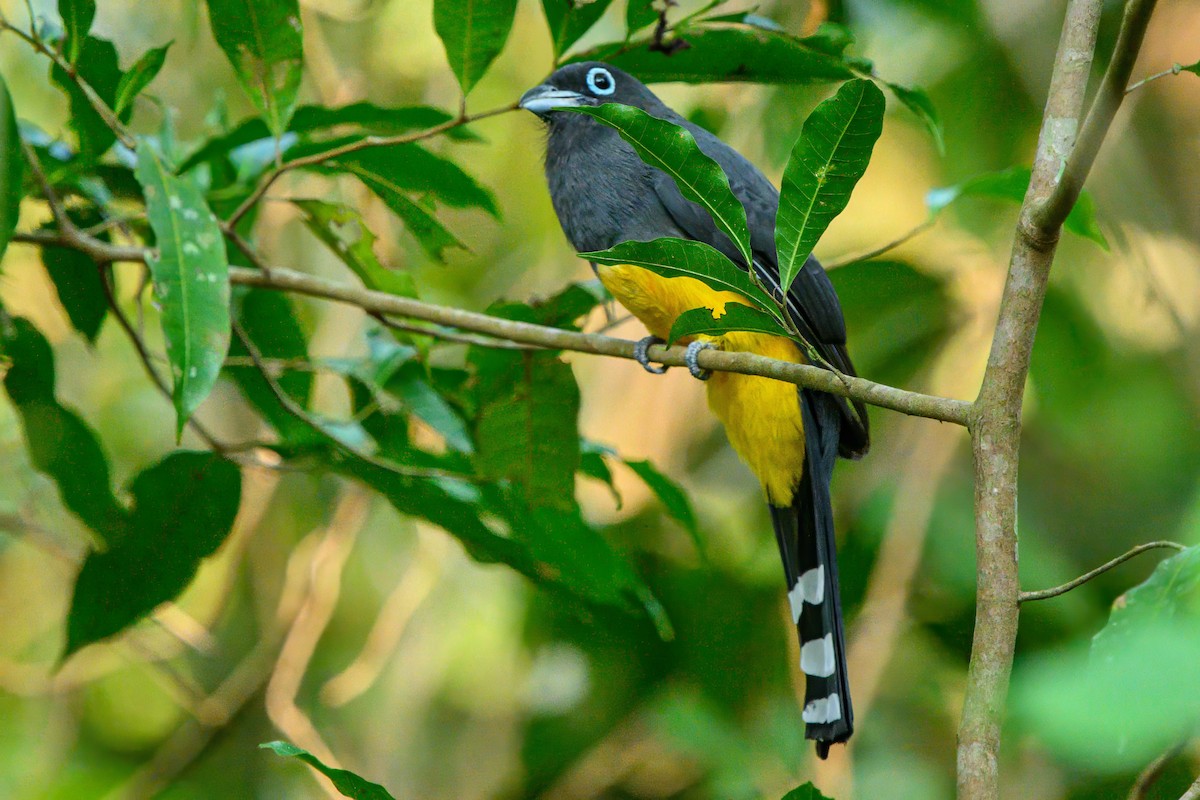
<point>264,42</point>
<point>77,17</point>
<point>571,19</point>
<point>473,33</point>
<point>1011,184</point>
<point>12,168</point>
<point>183,509</point>
<point>805,792</point>
<point>917,101</point>
<point>639,14</point>
<point>565,308</point>
<point>831,155</point>
<point>412,168</point>
<point>672,149</point>
<point>715,322</point>
<point>80,290</point>
<point>674,258</point>
<point>99,67</point>
<point>346,782</point>
<point>671,495</point>
<point>144,70</point>
<point>1192,68</point>
<point>411,385</point>
<point>191,281</point>
<point>342,230</point>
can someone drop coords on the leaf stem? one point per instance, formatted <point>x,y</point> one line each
<point>1174,70</point>
<point>1045,594</point>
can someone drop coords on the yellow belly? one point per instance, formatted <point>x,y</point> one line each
<point>761,416</point>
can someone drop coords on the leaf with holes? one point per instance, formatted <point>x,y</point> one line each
<point>139,76</point>
<point>264,41</point>
<point>832,154</point>
<point>717,322</point>
<point>672,149</point>
<point>12,168</point>
<point>473,33</point>
<point>191,280</point>
<point>342,230</point>
<point>571,19</point>
<point>346,782</point>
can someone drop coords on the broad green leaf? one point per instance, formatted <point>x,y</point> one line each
<point>571,19</point>
<point>675,258</point>
<point>917,101</point>
<point>1172,591</point>
<point>730,52</point>
<point>144,70</point>
<point>412,168</point>
<point>342,230</point>
<point>832,154</point>
<point>805,792</point>
<point>672,149</point>
<point>191,281</point>
<point>98,66</point>
<point>473,33</point>
<point>671,495</point>
<point>1011,184</point>
<point>346,782</point>
<point>77,17</point>
<point>12,168</point>
<point>639,14</point>
<point>77,281</point>
<point>60,444</point>
<point>183,508</point>
<point>360,118</point>
<point>410,383</point>
<point>264,41</point>
<point>733,317</point>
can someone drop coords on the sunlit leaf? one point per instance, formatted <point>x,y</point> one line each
<point>263,40</point>
<point>473,33</point>
<point>183,508</point>
<point>917,101</point>
<point>77,17</point>
<point>342,230</point>
<point>191,281</point>
<point>346,782</point>
<point>831,155</point>
<point>672,149</point>
<point>12,167</point>
<point>571,19</point>
<point>674,258</point>
<point>715,322</point>
<point>412,168</point>
<point>639,14</point>
<point>98,66</point>
<point>144,70</point>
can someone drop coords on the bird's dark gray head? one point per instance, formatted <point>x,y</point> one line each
<point>588,83</point>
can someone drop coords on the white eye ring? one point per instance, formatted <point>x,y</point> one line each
<point>595,76</point>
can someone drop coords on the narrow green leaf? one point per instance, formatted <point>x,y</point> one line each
<point>342,230</point>
<point>191,280</point>
<point>831,155</point>
<point>639,14</point>
<point>12,168</point>
<point>917,101</point>
<point>672,149</point>
<point>593,465</point>
<point>183,509</point>
<point>805,792</point>
<point>1011,184</point>
<point>674,258</point>
<point>263,40</point>
<point>139,76</point>
<point>735,317</point>
<point>411,385</point>
<point>346,782</point>
<point>473,33</point>
<point>672,496</point>
<point>571,19</point>
<point>727,51</point>
<point>99,67</point>
<point>77,282</point>
<point>77,17</point>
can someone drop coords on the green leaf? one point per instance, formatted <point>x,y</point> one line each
<point>917,101</point>
<point>191,281</point>
<point>805,792</point>
<point>1192,68</point>
<point>473,33</point>
<point>77,17</point>
<point>12,168</point>
<point>639,14</point>
<point>412,168</point>
<point>183,509</point>
<point>263,40</point>
<point>1011,184</point>
<point>98,66</point>
<point>672,496</point>
<point>735,317</point>
<point>60,444</point>
<point>571,19</point>
<point>832,154</point>
<point>139,76</point>
<point>672,149</point>
<point>674,258</point>
<point>342,230</point>
<point>730,52</point>
<point>346,782</point>
<point>1172,591</point>
<point>410,383</point>
<point>77,281</point>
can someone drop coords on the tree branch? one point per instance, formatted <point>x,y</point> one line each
<point>1045,594</point>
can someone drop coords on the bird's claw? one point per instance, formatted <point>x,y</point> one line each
<point>641,352</point>
<point>692,356</point>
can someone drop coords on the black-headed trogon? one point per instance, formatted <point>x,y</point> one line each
<point>605,194</point>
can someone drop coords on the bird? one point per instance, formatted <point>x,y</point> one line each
<point>790,437</point>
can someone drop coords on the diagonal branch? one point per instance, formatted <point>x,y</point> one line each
<point>1046,594</point>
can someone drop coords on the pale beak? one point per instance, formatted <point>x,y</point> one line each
<point>545,98</point>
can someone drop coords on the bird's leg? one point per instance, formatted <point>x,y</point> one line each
<point>641,353</point>
<point>692,357</point>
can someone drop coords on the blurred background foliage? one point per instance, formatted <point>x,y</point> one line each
<point>439,677</point>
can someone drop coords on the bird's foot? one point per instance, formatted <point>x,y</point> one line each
<point>692,357</point>
<point>641,353</point>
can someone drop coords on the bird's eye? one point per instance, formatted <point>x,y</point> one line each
<point>600,81</point>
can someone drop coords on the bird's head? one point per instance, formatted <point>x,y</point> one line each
<point>588,83</point>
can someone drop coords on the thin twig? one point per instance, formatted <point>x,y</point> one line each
<point>867,255</point>
<point>1174,70</point>
<point>451,335</point>
<point>1045,594</point>
<point>1153,771</point>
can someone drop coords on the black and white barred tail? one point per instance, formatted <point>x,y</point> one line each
<point>805,536</point>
